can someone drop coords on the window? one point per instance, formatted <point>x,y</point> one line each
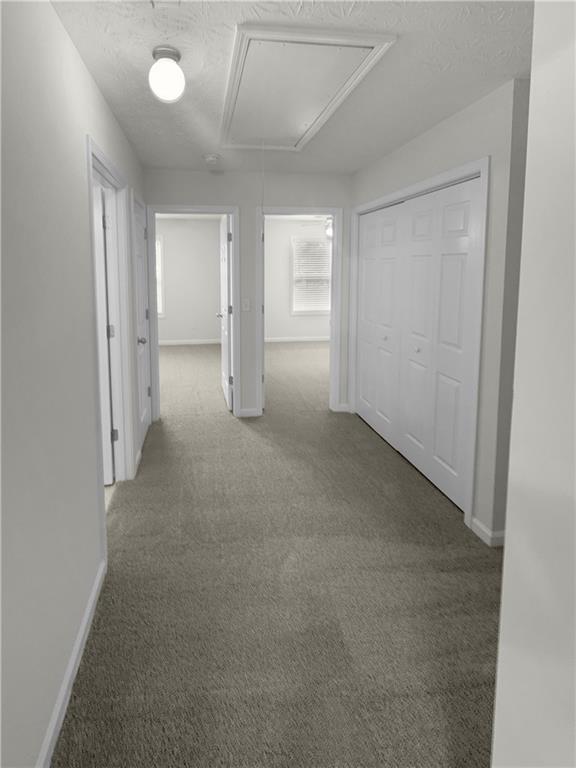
<point>311,275</point>
<point>159,276</point>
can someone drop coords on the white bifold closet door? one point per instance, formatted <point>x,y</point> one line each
<point>419,328</point>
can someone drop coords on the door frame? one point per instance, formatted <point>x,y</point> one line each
<point>138,444</point>
<point>478,169</point>
<point>335,401</point>
<point>120,281</point>
<point>225,210</point>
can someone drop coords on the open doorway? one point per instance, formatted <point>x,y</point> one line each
<point>110,201</point>
<point>194,288</point>
<point>298,270</point>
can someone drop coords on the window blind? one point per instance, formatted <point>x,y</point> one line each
<point>310,275</point>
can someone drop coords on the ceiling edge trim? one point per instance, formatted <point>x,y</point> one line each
<point>246,33</point>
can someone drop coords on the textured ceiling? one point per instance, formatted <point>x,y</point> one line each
<point>448,54</point>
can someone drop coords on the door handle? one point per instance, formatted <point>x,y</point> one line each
<point>142,340</point>
<point>219,314</point>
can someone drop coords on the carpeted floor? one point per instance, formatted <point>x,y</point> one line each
<point>283,592</point>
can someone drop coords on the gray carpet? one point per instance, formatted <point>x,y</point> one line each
<point>283,592</point>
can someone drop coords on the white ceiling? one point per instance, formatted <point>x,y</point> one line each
<point>447,55</point>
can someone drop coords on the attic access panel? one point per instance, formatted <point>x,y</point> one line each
<point>285,83</point>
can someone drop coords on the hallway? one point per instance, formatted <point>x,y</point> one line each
<point>283,591</point>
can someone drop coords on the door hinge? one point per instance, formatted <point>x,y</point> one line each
<point>262,378</point>
<point>230,380</point>
<point>229,309</point>
<point>229,237</point>
<point>114,435</point>
<point>145,233</point>
<point>149,391</point>
<point>147,314</point>
<point>262,236</point>
<point>104,221</point>
<point>110,331</point>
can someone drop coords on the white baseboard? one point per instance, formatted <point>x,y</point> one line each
<point>186,342</point>
<point>341,408</point>
<point>297,338</point>
<point>57,718</point>
<point>492,538</point>
<point>246,413</point>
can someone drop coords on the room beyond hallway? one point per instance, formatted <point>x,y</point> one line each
<point>297,376</point>
<point>283,591</point>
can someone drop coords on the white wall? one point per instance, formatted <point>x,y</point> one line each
<point>52,500</point>
<point>174,187</point>
<point>191,250</point>
<point>535,718</point>
<point>281,324</point>
<point>495,127</point>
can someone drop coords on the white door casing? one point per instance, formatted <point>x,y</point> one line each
<point>224,313</point>
<point>102,333</point>
<point>142,323</point>
<point>437,303</point>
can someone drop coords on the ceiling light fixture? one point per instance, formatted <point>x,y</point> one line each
<point>166,79</point>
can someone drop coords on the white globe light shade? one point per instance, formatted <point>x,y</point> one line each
<point>166,80</point>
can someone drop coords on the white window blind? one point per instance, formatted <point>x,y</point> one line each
<point>310,275</point>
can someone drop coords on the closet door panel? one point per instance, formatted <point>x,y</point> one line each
<point>420,316</point>
<point>378,326</point>
<point>419,302</point>
<point>456,361</point>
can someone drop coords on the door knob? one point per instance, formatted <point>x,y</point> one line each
<point>219,314</point>
<point>142,340</point>
<point>416,349</point>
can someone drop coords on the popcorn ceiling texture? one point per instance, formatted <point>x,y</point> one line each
<point>447,55</point>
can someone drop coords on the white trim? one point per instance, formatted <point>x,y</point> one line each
<point>342,408</point>
<point>59,709</point>
<point>160,239</point>
<point>122,382</point>
<point>125,332</point>
<point>479,169</point>
<point>457,175</point>
<point>492,538</point>
<point>153,315</point>
<point>119,281</point>
<point>246,33</point>
<point>247,413</point>
<point>226,210</point>
<point>283,339</point>
<point>186,342</point>
<point>98,160</point>
<point>335,397</point>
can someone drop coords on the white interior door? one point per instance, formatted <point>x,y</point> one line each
<point>446,227</point>
<point>421,282</point>
<point>102,333</point>
<point>378,320</point>
<point>225,311</point>
<point>142,321</point>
